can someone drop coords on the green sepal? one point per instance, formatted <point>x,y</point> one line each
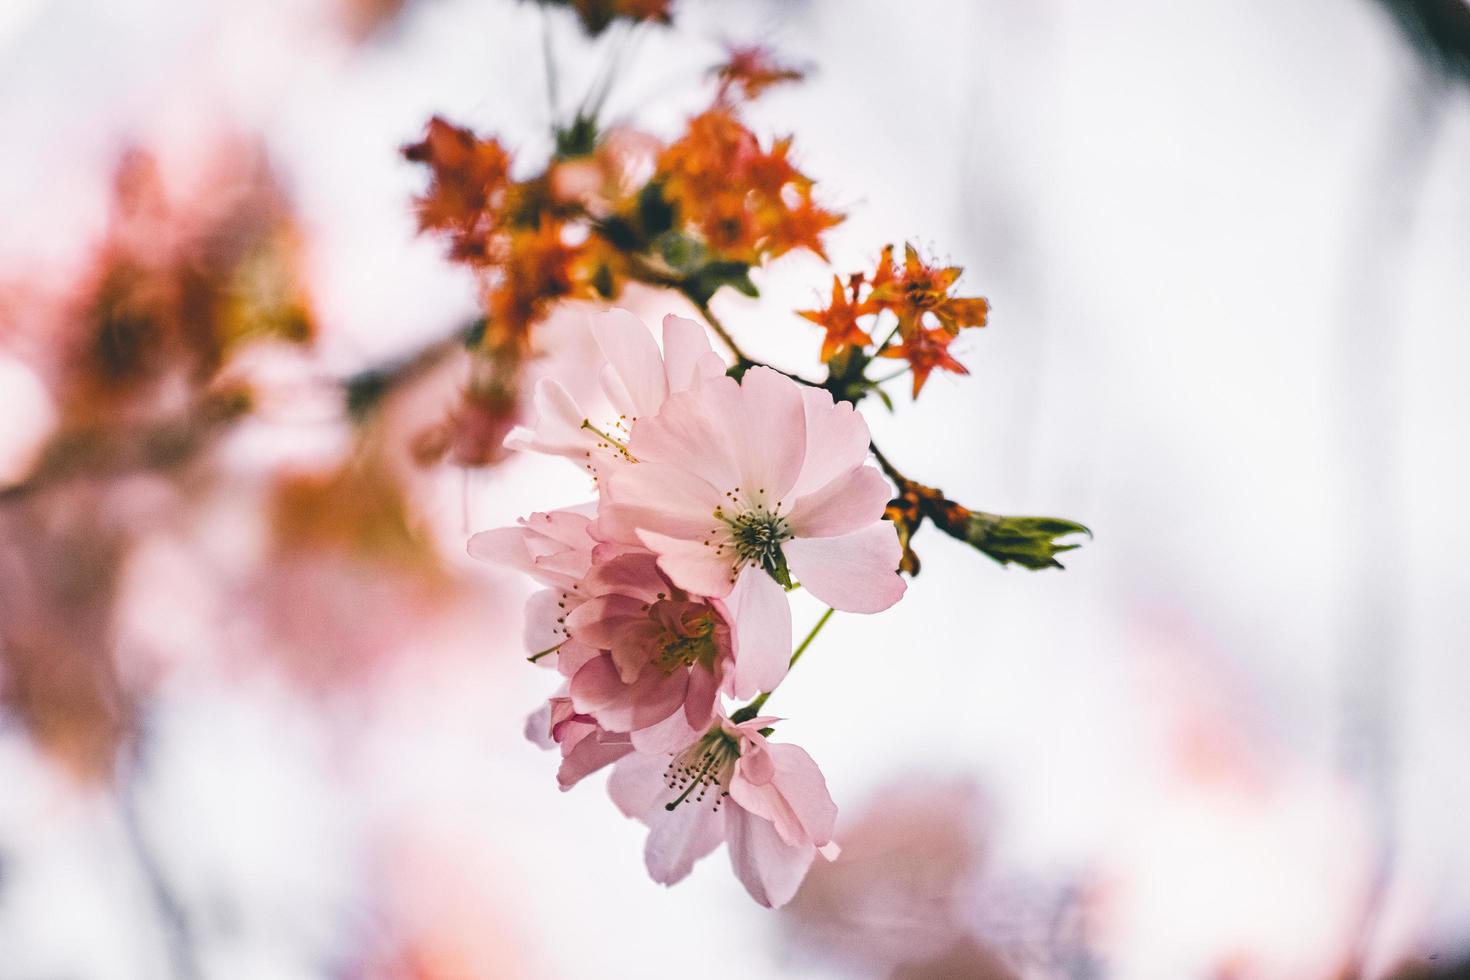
<point>1027,541</point>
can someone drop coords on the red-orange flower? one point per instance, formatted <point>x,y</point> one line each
<point>839,319</point>
<point>926,348</point>
<point>469,178</point>
<point>748,204</point>
<point>751,70</point>
<point>920,288</point>
<point>538,269</point>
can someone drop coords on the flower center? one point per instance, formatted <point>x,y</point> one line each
<point>757,532</point>
<point>705,765</point>
<point>689,637</point>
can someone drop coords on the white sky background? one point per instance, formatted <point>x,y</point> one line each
<point>1225,336</point>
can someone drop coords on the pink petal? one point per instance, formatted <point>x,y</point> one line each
<point>657,497</point>
<point>795,799</point>
<point>637,786</point>
<point>687,354</point>
<point>567,526</point>
<point>589,755</point>
<point>761,616</point>
<point>854,572</point>
<point>700,697</point>
<point>671,735</point>
<point>501,546</point>
<point>572,656</point>
<point>693,432</point>
<point>557,429</point>
<point>769,868</point>
<point>850,501</point>
<point>680,837</point>
<point>601,621</point>
<point>655,696</point>
<point>768,435</point>
<point>836,440</point>
<point>691,565</point>
<point>598,690</point>
<point>636,364</point>
<point>542,629</point>
<point>632,574</point>
<point>635,646</point>
<point>538,727</point>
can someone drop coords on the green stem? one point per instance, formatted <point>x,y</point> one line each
<point>890,377</point>
<point>754,707</point>
<point>884,346</point>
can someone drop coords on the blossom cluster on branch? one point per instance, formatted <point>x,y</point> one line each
<point>668,595</point>
<point>722,482</point>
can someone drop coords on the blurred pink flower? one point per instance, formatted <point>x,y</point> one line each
<point>768,802</point>
<point>636,379</point>
<point>762,476</point>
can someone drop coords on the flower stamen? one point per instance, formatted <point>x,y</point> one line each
<point>705,764</point>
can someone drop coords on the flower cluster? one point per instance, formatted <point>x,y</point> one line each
<point>667,596</point>
<point>720,485</point>
<point>612,206</point>
<point>918,295</point>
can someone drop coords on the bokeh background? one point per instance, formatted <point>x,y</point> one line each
<point>262,719</point>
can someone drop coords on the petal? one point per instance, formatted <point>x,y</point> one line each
<point>572,656</point>
<point>679,837</point>
<point>634,358</point>
<point>601,622</point>
<point>851,501</point>
<point>769,868</point>
<point>691,565</point>
<point>637,786</point>
<point>597,690</point>
<point>557,427</point>
<point>501,546</point>
<point>657,497</point>
<point>686,353</point>
<point>761,617</point>
<point>794,798</point>
<point>538,727</point>
<point>631,574</point>
<point>671,735</point>
<point>854,572</point>
<point>769,434</point>
<point>836,439</point>
<point>656,696</point>
<point>694,431</point>
<point>589,755</point>
<point>700,697</point>
<point>543,629</point>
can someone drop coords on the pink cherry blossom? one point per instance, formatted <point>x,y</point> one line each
<point>585,745</point>
<point>767,802</point>
<point>555,549</point>
<point>636,380</point>
<point>667,654</point>
<point>740,485</point>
